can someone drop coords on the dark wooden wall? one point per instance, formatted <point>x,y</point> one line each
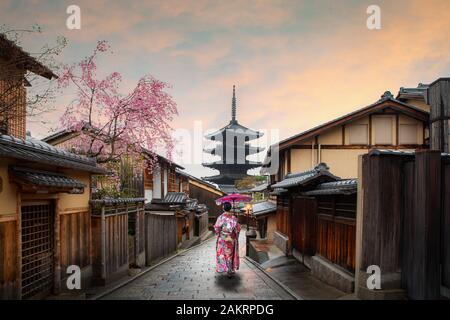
<point>8,260</point>
<point>160,236</point>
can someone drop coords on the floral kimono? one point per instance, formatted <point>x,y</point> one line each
<point>227,230</point>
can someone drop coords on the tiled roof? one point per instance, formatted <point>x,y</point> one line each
<point>348,186</point>
<point>278,191</point>
<point>378,152</point>
<point>31,149</point>
<point>297,179</point>
<point>236,129</point>
<point>46,178</point>
<point>263,207</point>
<point>175,198</point>
<point>108,201</point>
<point>259,188</point>
<point>192,204</point>
<point>204,182</point>
<point>419,92</point>
<point>381,152</point>
<point>229,188</point>
<point>9,49</point>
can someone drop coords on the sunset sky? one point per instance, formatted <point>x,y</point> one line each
<point>295,64</point>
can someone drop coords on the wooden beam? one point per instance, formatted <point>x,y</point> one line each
<point>397,129</point>
<point>288,160</point>
<point>361,146</point>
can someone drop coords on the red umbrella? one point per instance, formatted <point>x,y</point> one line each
<point>234,197</point>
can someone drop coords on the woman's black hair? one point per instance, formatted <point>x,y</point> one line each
<point>226,206</point>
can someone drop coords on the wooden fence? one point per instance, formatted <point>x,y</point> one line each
<point>110,241</point>
<point>336,232</point>
<point>201,223</point>
<point>406,221</point>
<point>160,235</point>
<point>325,225</point>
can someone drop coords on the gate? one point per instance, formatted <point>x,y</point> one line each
<point>304,225</point>
<point>160,235</point>
<point>37,248</point>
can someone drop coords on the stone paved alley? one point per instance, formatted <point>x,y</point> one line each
<point>191,275</point>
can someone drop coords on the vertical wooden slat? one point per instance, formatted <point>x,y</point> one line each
<point>446,227</point>
<point>426,227</point>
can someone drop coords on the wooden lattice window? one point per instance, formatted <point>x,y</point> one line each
<point>12,109</point>
<point>37,248</point>
<point>172,181</point>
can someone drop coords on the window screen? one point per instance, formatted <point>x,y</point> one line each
<point>357,134</point>
<point>407,134</point>
<point>383,130</point>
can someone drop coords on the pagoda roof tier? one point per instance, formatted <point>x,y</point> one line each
<point>225,178</point>
<point>226,166</point>
<point>251,149</point>
<point>235,129</point>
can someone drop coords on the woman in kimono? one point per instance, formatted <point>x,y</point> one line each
<point>227,230</point>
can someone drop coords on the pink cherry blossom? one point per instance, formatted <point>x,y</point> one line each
<point>111,124</point>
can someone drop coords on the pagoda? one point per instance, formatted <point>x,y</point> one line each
<point>232,146</point>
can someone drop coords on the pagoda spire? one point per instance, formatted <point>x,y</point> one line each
<point>233,105</point>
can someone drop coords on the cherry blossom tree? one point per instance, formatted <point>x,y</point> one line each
<point>111,125</point>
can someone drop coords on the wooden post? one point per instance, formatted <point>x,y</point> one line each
<point>359,231</point>
<point>439,100</point>
<point>445,225</point>
<point>381,224</point>
<point>19,246</point>
<point>103,243</point>
<point>57,257</point>
<point>425,221</point>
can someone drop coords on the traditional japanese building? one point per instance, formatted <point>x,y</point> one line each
<point>233,147</point>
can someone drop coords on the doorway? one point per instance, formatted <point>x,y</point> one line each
<point>37,248</point>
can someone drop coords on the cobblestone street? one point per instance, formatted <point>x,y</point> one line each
<point>191,275</point>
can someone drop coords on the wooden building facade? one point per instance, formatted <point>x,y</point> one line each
<point>316,223</point>
<point>44,196</point>
<point>388,123</point>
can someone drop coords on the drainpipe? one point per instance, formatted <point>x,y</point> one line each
<point>312,154</point>
<point>319,153</point>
